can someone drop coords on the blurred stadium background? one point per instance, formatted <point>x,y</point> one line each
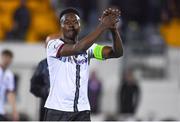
<point>150,30</point>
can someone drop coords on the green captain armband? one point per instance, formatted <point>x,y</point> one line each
<point>97,52</point>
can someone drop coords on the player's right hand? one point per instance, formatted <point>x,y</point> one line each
<point>110,17</point>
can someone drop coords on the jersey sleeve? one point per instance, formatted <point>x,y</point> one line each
<point>95,51</point>
<point>53,47</point>
<point>11,83</point>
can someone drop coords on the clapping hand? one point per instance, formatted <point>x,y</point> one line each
<point>110,18</point>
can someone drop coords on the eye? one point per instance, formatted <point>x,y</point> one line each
<point>76,22</point>
<point>66,22</point>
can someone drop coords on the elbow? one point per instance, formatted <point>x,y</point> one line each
<point>119,54</point>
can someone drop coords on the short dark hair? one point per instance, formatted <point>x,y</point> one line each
<point>68,10</point>
<point>7,52</point>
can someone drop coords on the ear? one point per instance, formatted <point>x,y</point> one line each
<point>79,28</point>
<point>79,25</point>
<point>61,24</point>
<point>79,22</point>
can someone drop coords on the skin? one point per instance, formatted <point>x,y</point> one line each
<point>11,97</point>
<point>74,46</point>
<point>6,61</point>
<point>12,101</point>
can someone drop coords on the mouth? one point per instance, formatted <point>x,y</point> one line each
<point>72,32</point>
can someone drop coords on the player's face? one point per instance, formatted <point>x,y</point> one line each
<point>6,60</point>
<point>70,25</point>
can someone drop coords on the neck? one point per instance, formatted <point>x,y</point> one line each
<point>70,41</point>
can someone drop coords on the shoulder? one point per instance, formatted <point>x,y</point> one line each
<point>43,62</point>
<point>92,46</point>
<point>9,73</point>
<point>52,37</point>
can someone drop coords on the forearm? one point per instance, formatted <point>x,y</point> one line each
<point>12,101</point>
<point>117,43</point>
<point>83,44</point>
<point>87,41</point>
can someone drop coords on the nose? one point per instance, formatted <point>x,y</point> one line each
<point>71,26</point>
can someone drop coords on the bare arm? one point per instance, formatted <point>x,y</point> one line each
<point>82,45</point>
<point>117,50</point>
<point>86,42</point>
<point>12,101</point>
